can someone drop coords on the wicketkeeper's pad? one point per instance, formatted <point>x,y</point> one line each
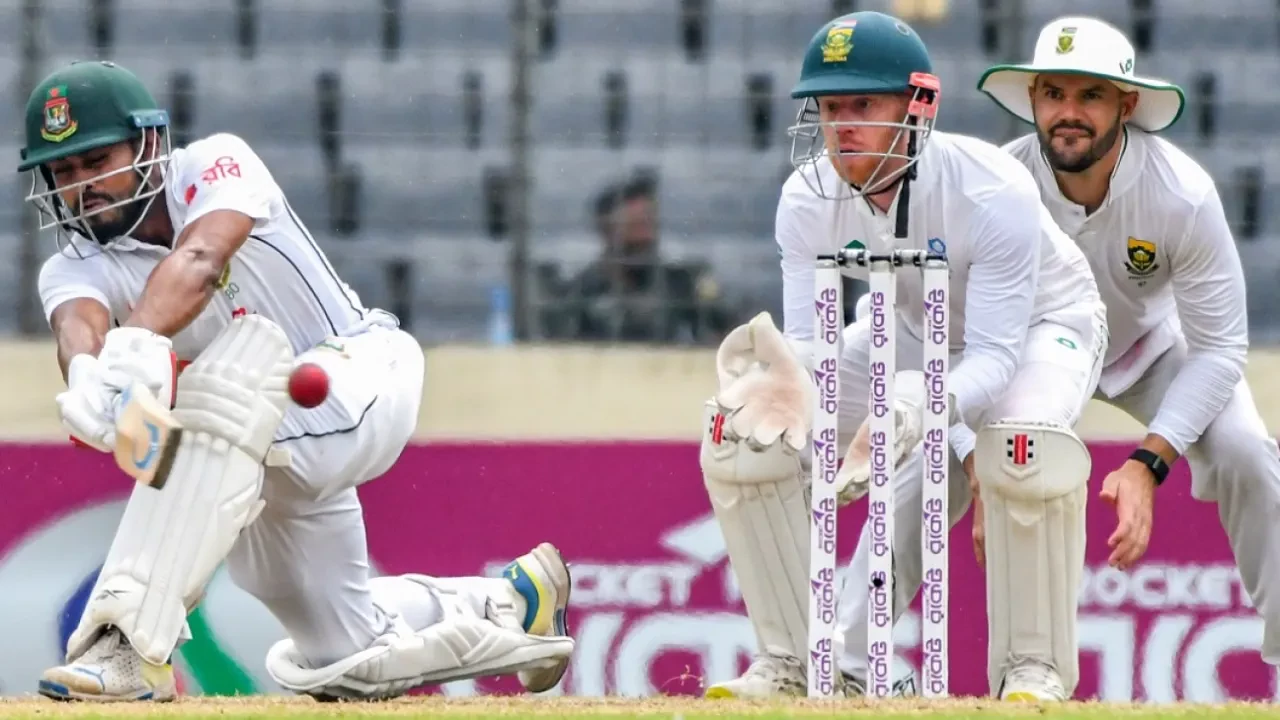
<point>754,439</point>
<point>1034,480</point>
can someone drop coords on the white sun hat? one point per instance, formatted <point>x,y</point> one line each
<point>1085,46</point>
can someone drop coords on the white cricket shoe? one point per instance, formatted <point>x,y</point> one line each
<point>542,578</point>
<point>1032,681</point>
<point>772,676</point>
<point>110,671</point>
<point>769,676</point>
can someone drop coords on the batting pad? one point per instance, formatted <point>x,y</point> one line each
<point>170,541</point>
<point>1034,483</point>
<point>762,506</point>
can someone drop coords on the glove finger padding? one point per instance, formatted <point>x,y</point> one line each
<point>84,421</point>
<point>758,343</point>
<point>771,347</point>
<point>144,356</point>
<point>765,410</point>
<point>734,356</point>
<point>754,409</point>
<point>763,386</point>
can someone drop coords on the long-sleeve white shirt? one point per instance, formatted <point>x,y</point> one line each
<point>1011,266</point>
<point>1161,251</point>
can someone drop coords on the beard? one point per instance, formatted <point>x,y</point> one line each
<point>126,219</point>
<point>1064,162</point>
<point>112,224</point>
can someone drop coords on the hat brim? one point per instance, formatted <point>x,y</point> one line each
<point>1160,103</point>
<point>844,83</point>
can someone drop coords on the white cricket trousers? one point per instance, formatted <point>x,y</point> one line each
<point>1235,464</point>
<point>306,557</point>
<point>1058,373</point>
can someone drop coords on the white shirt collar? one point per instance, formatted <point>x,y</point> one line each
<point>1123,175</point>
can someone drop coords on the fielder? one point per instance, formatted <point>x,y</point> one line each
<point>194,254</point>
<point>1028,333</point>
<point>1151,223</point>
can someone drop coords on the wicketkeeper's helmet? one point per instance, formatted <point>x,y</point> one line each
<point>863,53</point>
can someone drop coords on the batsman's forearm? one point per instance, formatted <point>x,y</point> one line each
<point>77,337</point>
<point>80,328</point>
<point>176,293</point>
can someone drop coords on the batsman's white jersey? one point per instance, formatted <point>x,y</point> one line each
<point>279,273</point>
<point>1171,278</point>
<point>313,526</point>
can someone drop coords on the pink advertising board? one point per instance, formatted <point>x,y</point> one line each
<point>656,608</point>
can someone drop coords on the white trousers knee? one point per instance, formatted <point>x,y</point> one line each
<point>306,557</point>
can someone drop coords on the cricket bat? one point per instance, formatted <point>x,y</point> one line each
<point>147,437</point>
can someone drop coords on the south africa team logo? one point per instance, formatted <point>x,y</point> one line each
<point>1066,40</point>
<point>1142,258</point>
<point>839,43</point>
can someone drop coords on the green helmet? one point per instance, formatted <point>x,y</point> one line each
<point>864,53</point>
<point>81,107</point>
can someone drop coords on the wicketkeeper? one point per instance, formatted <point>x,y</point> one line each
<point>1028,334</point>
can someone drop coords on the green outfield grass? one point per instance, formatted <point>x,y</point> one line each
<point>507,708</point>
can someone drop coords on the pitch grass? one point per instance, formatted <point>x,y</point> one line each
<point>658,708</point>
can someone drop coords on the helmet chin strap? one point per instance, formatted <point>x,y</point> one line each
<point>904,193</point>
<point>904,184</point>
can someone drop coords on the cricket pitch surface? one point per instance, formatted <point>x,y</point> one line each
<point>656,708</point>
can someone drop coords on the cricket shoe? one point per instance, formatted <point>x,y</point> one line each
<point>1030,680</point>
<point>110,671</point>
<point>772,676</point>
<point>768,676</point>
<point>542,578</point>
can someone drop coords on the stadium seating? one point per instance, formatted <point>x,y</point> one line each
<point>424,110</point>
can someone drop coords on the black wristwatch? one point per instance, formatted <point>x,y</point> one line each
<point>1156,464</point>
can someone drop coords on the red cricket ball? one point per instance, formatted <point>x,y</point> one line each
<point>308,385</point>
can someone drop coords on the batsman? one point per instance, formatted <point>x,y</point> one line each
<point>1150,220</point>
<point>1027,333</point>
<point>194,255</point>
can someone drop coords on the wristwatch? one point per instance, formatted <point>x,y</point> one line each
<point>1156,464</point>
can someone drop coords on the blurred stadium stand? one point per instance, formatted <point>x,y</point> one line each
<point>389,122</point>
